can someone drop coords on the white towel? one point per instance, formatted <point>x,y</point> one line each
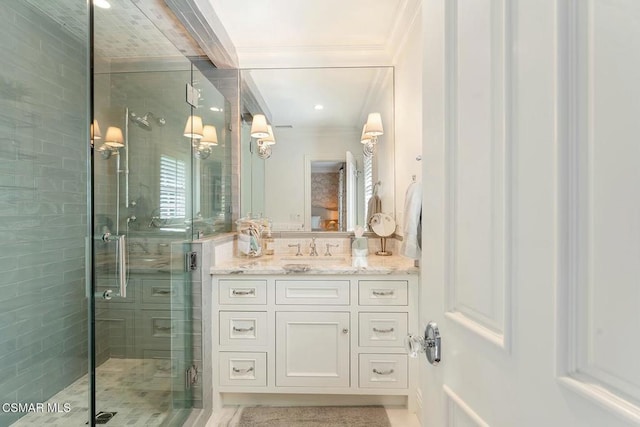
<point>412,218</point>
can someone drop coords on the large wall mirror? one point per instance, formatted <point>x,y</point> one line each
<point>316,176</point>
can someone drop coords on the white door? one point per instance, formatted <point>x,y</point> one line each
<point>531,217</point>
<point>312,349</point>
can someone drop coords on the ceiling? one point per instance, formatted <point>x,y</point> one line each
<point>288,33</point>
<point>290,96</point>
<point>129,29</point>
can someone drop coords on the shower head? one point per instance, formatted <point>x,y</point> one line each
<point>145,121</point>
<point>141,121</point>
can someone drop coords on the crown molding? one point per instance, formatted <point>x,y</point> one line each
<point>313,56</point>
<point>205,26</point>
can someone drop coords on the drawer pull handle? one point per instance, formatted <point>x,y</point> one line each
<point>242,371</point>
<point>163,328</point>
<point>383,293</point>
<point>383,331</point>
<point>389,372</point>
<point>161,292</point>
<point>236,292</point>
<point>243,329</point>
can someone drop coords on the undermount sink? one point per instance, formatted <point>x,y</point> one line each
<point>320,258</point>
<point>296,268</point>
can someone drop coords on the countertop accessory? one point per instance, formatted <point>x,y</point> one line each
<point>384,226</point>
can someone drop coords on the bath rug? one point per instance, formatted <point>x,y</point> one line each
<point>314,416</point>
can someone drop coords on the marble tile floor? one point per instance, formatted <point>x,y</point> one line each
<point>230,416</point>
<point>137,389</point>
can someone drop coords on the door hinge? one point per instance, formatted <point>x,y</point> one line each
<point>192,96</point>
<point>192,261</point>
<point>191,376</point>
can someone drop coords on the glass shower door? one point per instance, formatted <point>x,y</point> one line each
<point>142,234</point>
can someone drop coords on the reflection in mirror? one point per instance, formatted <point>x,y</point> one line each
<point>317,115</point>
<point>328,195</point>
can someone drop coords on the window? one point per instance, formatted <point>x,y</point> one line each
<point>173,188</point>
<point>368,182</point>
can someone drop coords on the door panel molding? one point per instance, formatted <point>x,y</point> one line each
<point>585,325</point>
<point>479,201</point>
<point>457,408</point>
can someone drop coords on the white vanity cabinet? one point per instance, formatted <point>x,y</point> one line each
<point>313,334</point>
<point>312,349</point>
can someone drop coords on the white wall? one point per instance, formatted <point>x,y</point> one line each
<point>284,170</point>
<point>408,113</point>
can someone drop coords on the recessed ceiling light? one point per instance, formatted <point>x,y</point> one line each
<point>104,4</point>
<point>319,107</point>
<point>216,109</point>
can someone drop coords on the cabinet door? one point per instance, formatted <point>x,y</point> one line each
<point>312,349</point>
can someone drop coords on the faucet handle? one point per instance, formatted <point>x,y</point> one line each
<point>329,246</point>
<point>296,245</point>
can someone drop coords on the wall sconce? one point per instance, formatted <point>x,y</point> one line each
<point>264,135</point>
<point>264,150</point>
<point>94,131</point>
<point>208,140</point>
<point>259,127</point>
<point>209,136</point>
<point>269,139</point>
<point>193,129</point>
<point>202,151</point>
<point>370,132</point>
<point>114,137</point>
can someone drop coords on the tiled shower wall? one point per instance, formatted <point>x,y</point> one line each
<point>43,206</point>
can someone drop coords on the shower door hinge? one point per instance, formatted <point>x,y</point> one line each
<point>191,377</point>
<point>192,261</point>
<point>192,96</point>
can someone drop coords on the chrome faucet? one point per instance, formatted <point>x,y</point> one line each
<point>329,246</point>
<point>314,251</point>
<point>296,245</point>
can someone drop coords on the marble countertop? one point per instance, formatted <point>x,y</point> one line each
<point>338,264</point>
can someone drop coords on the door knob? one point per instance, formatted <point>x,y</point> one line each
<point>430,344</point>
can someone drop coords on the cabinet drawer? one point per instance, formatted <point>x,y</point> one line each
<point>383,371</point>
<point>382,292</point>
<point>382,329</point>
<point>319,292</point>
<point>242,369</point>
<point>243,328</point>
<point>161,292</point>
<point>242,292</point>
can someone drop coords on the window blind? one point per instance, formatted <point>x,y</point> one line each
<point>173,188</point>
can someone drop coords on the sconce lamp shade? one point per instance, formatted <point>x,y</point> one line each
<point>114,137</point>
<point>333,215</point>
<point>259,127</point>
<point>365,138</point>
<point>209,135</point>
<point>374,125</point>
<point>270,139</point>
<point>193,128</point>
<point>95,131</point>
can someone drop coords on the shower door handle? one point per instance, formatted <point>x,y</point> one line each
<point>121,260</point>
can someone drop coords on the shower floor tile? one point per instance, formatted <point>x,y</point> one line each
<point>139,390</point>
